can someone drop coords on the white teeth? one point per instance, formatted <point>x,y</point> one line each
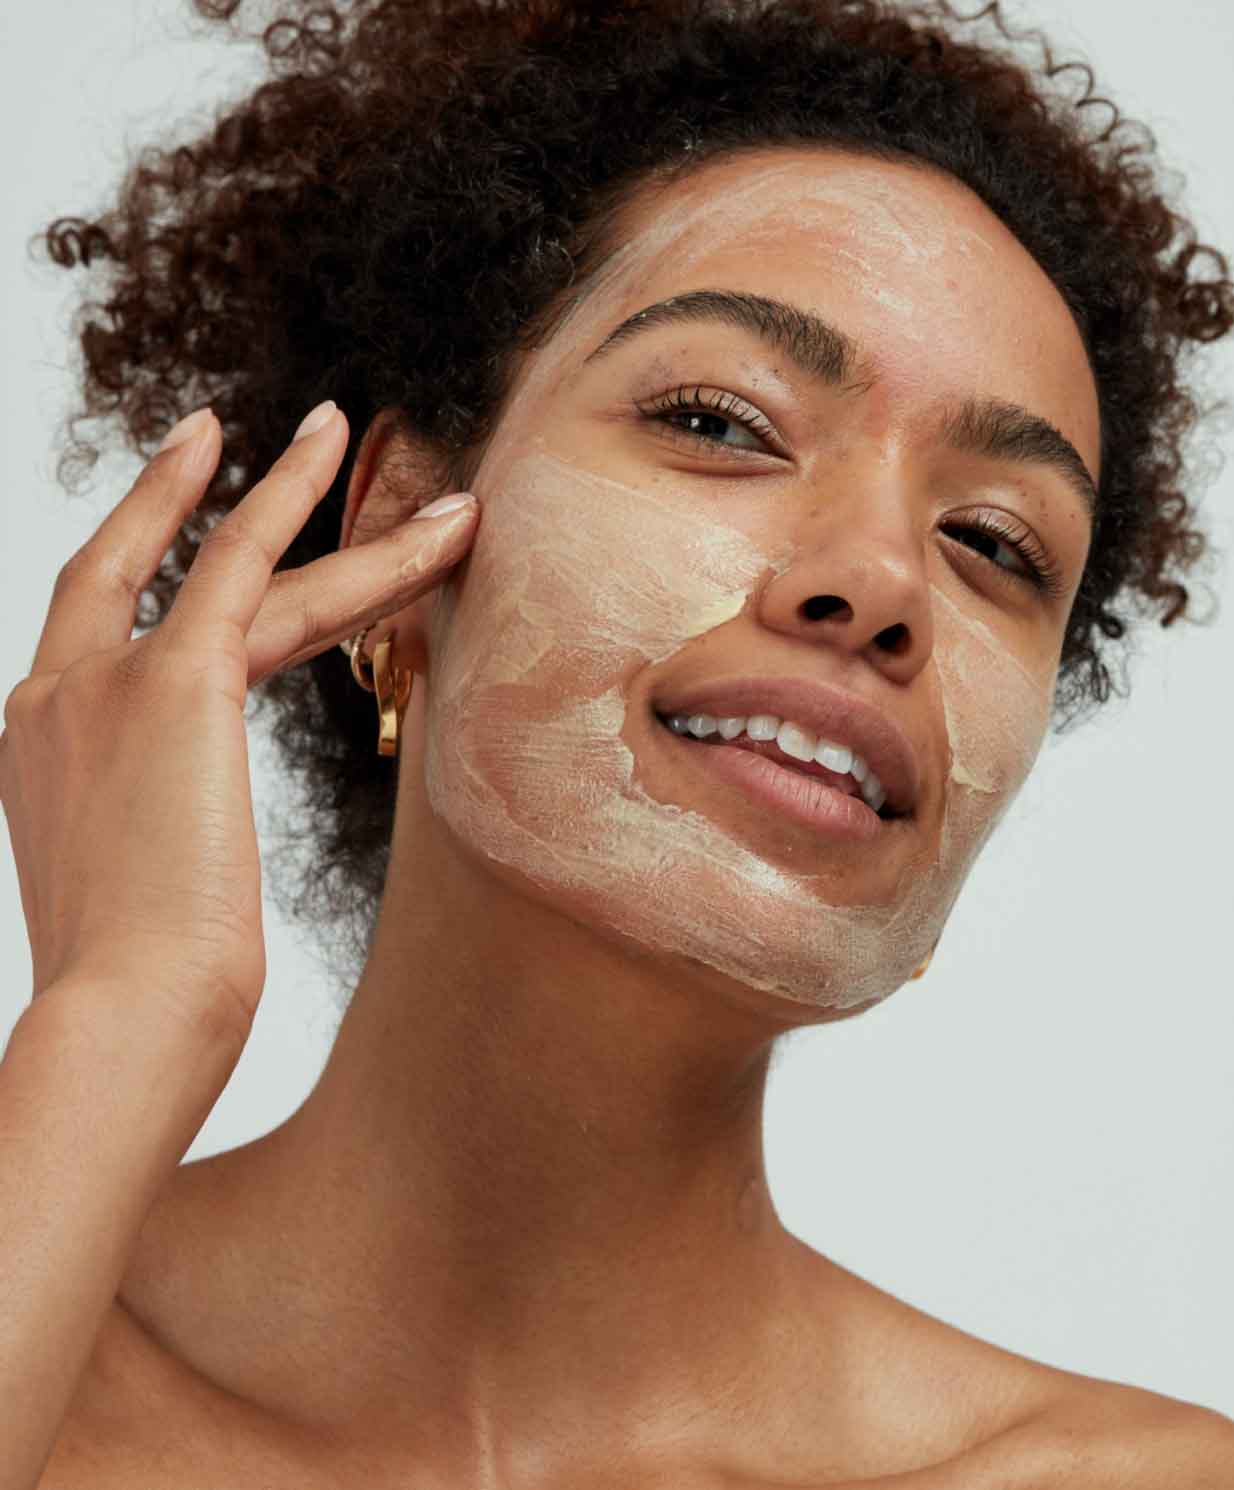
<point>763,727</point>
<point>795,741</point>
<point>834,757</point>
<point>873,793</point>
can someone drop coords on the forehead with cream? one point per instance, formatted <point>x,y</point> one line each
<point>907,258</point>
<point>861,212</point>
<point>576,583</point>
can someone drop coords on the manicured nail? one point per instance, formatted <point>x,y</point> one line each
<point>442,505</point>
<point>187,429</point>
<point>315,419</point>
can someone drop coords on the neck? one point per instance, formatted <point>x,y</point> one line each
<point>527,1192</point>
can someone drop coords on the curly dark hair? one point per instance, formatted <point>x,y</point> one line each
<point>400,210</point>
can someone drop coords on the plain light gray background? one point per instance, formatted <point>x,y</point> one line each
<point>1034,1141</point>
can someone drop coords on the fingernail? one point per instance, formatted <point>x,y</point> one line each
<point>188,428</point>
<point>442,505</point>
<point>315,419</point>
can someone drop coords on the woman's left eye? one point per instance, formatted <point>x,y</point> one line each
<point>705,419</point>
<point>986,534</point>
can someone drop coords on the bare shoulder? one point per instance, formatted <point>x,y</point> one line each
<point>142,1417</point>
<point>970,1415</point>
<point>1106,1434</point>
<point>1099,1436</point>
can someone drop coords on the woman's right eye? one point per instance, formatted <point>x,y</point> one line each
<point>704,416</point>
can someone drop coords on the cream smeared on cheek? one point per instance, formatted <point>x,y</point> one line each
<point>996,712</point>
<point>576,583</point>
<point>579,583</point>
<point>996,709</point>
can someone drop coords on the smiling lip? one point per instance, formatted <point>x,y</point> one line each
<point>815,804</point>
<point>829,712</point>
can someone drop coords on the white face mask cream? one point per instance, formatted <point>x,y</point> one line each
<point>577,583</point>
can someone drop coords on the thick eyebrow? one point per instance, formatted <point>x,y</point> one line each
<point>986,427</point>
<point>995,430</point>
<point>817,348</point>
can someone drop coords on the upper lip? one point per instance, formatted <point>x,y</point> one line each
<point>830,712</point>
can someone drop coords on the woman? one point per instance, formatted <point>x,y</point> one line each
<point>814,429</point>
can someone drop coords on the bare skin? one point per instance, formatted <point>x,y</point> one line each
<point>520,1234</point>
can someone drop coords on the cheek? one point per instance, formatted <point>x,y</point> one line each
<point>576,584</point>
<point>996,711</point>
<point>996,708</point>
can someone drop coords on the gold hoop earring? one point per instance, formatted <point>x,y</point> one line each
<point>392,685</point>
<point>920,972</point>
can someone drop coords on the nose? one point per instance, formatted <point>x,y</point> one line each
<point>858,586</point>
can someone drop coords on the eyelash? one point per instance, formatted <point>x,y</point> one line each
<point>1044,573</point>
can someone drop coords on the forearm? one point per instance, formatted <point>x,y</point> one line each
<point>97,1109</point>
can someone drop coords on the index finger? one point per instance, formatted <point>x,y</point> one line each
<point>94,603</point>
<point>231,574</point>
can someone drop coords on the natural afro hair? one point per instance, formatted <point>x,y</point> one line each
<point>397,213</point>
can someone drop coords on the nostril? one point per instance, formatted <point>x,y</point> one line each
<point>820,607</point>
<point>894,639</point>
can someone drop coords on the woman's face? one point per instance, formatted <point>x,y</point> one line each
<point>625,570</point>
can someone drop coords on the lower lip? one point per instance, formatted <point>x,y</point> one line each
<point>803,799</point>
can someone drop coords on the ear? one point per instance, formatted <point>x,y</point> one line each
<point>395,473</point>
